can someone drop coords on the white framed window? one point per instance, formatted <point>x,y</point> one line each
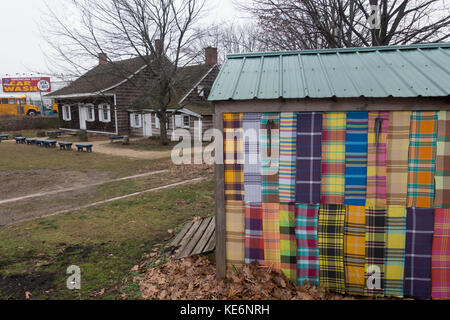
<point>135,120</point>
<point>104,112</point>
<point>186,121</point>
<point>90,112</point>
<point>66,112</point>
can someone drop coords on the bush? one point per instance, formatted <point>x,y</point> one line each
<point>8,123</point>
<point>83,136</point>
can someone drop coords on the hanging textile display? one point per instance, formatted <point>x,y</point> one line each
<point>419,242</point>
<point>251,123</point>
<point>233,149</point>
<point>235,232</point>
<point>306,222</point>
<point>442,199</point>
<point>395,251</point>
<point>270,155</point>
<point>375,250</point>
<point>254,237</point>
<point>288,139</point>
<point>331,247</point>
<point>440,268</point>
<point>397,158</point>
<point>376,159</point>
<point>422,152</point>
<point>333,158</point>
<point>355,249</point>
<point>309,155</point>
<point>288,242</point>
<point>356,158</point>
<point>271,228</point>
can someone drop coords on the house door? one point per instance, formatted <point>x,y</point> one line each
<point>147,125</point>
<point>82,111</point>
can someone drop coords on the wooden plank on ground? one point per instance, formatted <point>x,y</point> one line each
<point>187,237</point>
<point>211,244</point>
<point>181,235</point>
<point>201,245</point>
<point>186,250</point>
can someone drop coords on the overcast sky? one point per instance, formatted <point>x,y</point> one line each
<point>22,44</point>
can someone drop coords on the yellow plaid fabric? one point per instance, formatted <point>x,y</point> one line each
<point>271,231</point>
<point>331,247</point>
<point>355,249</point>
<point>235,232</point>
<point>234,160</point>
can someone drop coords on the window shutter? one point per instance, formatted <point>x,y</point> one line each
<point>178,121</point>
<point>156,122</point>
<point>132,124</point>
<point>100,113</point>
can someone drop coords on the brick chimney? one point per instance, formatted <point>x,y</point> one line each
<point>210,56</point>
<point>159,46</point>
<point>102,59</point>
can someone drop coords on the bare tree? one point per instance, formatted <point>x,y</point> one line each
<point>303,24</point>
<point>158,32</point>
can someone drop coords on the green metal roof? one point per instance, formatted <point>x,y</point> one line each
<point>377,72</point>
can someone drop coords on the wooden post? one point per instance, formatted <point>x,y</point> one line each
<point>219,176</point>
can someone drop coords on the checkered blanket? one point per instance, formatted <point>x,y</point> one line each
<point>271,228</point>
<point>356,158</point>
<point>422,159</point>
<point>288,242</point>
<point>442,199</point>
<point>397,158</point>
<point>306,220</point>
<point>375,250</point>
<point>331,247</point>
<point>251,123</point>
<point>254,237</point>
<point>376,159</point>
<point>441,255</point>
<point>419,243</point>
<point>333,157</point>
<point>309,157</point>
<point>233,149</point>
<point>288,138</point>
<point>355,249</point>
<point>270,155</point>
<point>235,232</point>
<point>395,251</point>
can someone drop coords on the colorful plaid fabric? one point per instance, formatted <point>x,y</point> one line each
<point>254,237</point>
<point>235,232</point>
<point>233,149</point>
<point>288,242</point>
<point>331,247</point>
<point>375,250</point>
<point>442,199</point>
<point>397,158</point>
<point>271,227</point>
<point>306,221</point>
<point>270,153</point>
<point>441,256</point>
<point>288,138</point>
<point>356,158</point>
<point>333,157</point>
<point>376,159</point>
<point>355,249</point>
<point>395,251</point>
<point>251,123</point>
<point>422,161</point>
<point>419,243</point>
<point>309,157</point>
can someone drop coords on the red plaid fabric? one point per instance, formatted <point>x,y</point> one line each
<point>254,238</point>
<point>441,256</point>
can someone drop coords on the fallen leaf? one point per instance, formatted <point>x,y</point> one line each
<point>27,295</point>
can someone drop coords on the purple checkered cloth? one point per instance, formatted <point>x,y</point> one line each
<point>309,155</point>
<point>418,251</point>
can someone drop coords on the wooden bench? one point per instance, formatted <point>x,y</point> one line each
<point>20,140</point>
<point>39,143</point>
<point>65,145</point>
<point>81,147</point>
<point>30,141</point>
<point>49,143</point>
<point>116,138</point>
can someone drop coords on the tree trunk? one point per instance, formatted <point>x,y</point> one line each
<point>164,140</point>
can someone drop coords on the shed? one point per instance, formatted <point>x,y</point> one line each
<point>390,78</point>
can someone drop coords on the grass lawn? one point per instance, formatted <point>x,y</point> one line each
<point>105,242</point>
